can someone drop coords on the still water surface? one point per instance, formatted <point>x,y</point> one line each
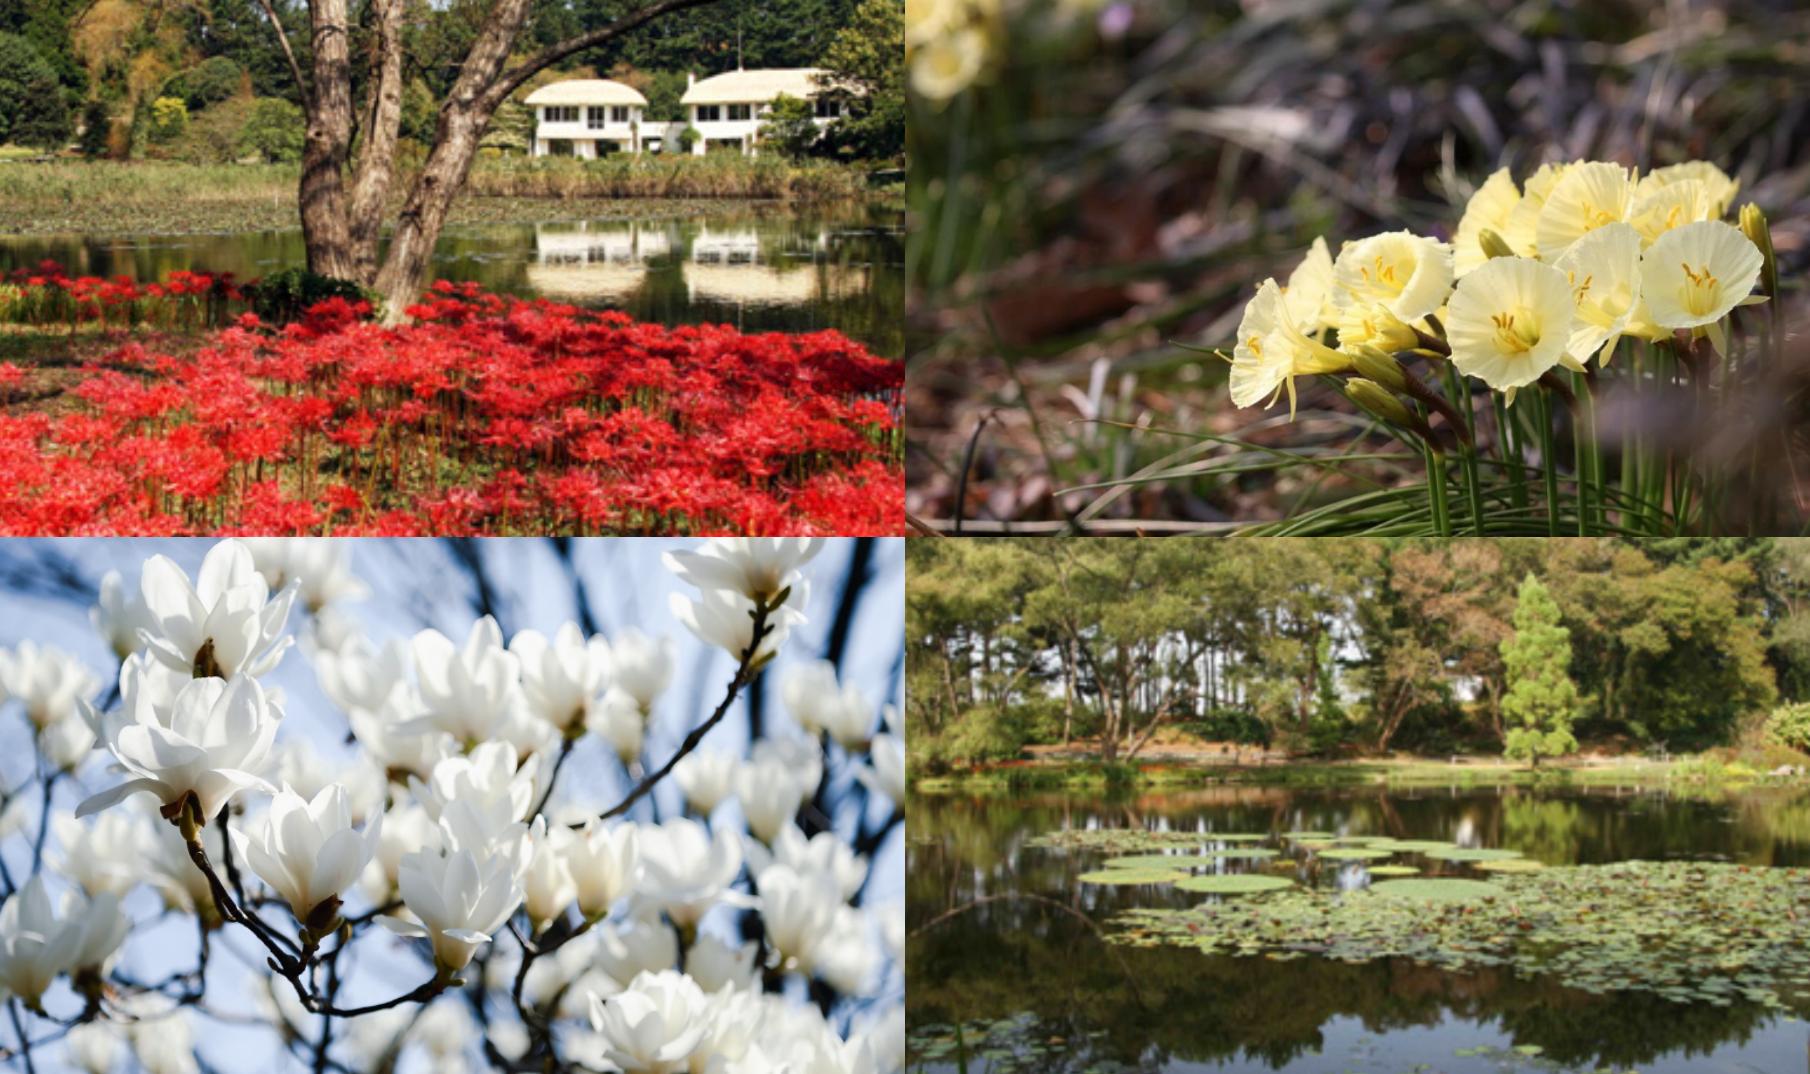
<point>840,268</point>
<point>1048,990</point>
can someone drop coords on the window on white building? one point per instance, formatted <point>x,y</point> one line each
<point>709,113</point>
<point>827,108</point>
<point>743,112</point>
<point>619,113</point>
<point>559,114</point>
<point>594,118</point>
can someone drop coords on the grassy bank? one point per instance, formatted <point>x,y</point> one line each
<point>1394,772</point>
<point>99,198</point>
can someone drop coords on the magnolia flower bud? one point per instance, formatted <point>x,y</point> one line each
<point>224,625</point>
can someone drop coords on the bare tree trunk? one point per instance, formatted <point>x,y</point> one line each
<point>341,236</point>
<point>325,230</point>
<point>1068,691</point>
<point>377,149</point>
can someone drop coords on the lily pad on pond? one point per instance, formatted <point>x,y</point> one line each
<point>1232,884</point>
<point>1422,846</point>
<point>1683,931</point>
<point>1133,876</point>
<point>1438,889</point>
<point>1391,870</point>
<point>1510,865</point>
<point>1471,854</point>
<point>1353,854</point>
<point>1298,836</point>
<point>1161,861</point>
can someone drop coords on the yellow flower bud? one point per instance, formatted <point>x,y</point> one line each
<point>1753,225</point>
<point>1494,245</point>
<point>1379,366</point>
<point>1376,399</point>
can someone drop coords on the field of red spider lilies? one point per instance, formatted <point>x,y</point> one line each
<point>486,414</point>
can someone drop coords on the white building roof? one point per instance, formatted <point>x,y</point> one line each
<point>586,91</point>
<point>753,87</point>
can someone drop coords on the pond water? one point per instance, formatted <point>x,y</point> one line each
<point>1005,941</point>
<point>760,270</point>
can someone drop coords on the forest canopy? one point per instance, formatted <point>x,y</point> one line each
<point>110,61</point>
<point>1326,647</point>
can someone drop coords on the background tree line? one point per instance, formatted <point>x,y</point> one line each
<point>1322,646</point>
<point>207,80</point>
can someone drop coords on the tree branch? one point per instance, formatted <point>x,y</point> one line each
<point>744,673</point>
<point>533,64</point>
<point>301,84</point>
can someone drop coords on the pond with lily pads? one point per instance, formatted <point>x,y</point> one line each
<point>1380,930</point>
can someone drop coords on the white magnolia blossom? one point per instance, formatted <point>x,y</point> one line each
<point>621,725</point>
<point>771,794</point>
<point>406,828</point>
<point>798,910</point>
<point>564,678</point>
<point>820,853</point>
<point>549,888</point>
<point>810,693</point>
<point>803,758</point>
<point>716,965</point>
<point>888,773</point>
<point>654,1025</point>
<point>37,944</point>
<point>640,668</point>
<point>637,947</point>
<point>94,1047</point>
<point>489,777</point>
<point>393,741</point>
<point>320,567</point>
<point>458,899</point>
<point>758,568</point>
<point>359,677</point>
<point>120,615</point>
<point>47,681</point>
<point>687,871</point>
<point>605,863</point>
<point>732,1030</point>
<point>66,745</point>
<point>217,732</point>
<point>102,857</point>
<point>465,689</point>
<point>166,1045</point>
<point>707,777</point>
<point>225,624</point>
<point>310,852</point>
<point>722,618</point>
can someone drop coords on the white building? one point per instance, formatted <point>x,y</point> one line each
<point>727,109</point>
<point>594,115</point>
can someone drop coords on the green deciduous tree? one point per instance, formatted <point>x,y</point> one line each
<point>274,131</point>
<point>1541,700</point>
<point>866,65</point>
<point>789,128</point>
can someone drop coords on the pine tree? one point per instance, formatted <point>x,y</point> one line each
<point>1541,698</point>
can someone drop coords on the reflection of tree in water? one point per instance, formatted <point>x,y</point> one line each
<point>1144,1007</point>
<point>778,270</point>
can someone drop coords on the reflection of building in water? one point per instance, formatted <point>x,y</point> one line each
<point>731,267</point>
<point>592,261</point>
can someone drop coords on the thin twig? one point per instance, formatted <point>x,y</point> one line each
<point>744,674</point>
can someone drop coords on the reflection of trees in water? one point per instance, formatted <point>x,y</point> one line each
<point>768,271</point>
<point>1013,956</point>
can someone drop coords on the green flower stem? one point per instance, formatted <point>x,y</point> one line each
<point>1549,464</point>
<point>1442,519</point>
<point>1508,451</point>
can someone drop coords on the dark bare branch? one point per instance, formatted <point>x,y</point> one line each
<point>532,65</point>
<point>301,84</point>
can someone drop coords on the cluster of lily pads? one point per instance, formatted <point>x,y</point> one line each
<point>1209,850</point>
<point>1688,931</point>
